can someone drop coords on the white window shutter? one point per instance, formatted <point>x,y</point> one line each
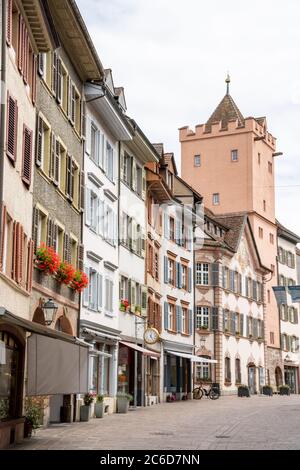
<point>104,165</point>
<point>144,184</point>
<point>99,291</point>
<point>134,177</point>
<point>88,207</point>
<point>88,125</point>
<point>85,297</point>
<point>134,236</point>
<point>133,295</point>
<point>121,176</point>
<point>98,147</point>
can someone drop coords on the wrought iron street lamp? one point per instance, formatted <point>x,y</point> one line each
<point>49,309</point>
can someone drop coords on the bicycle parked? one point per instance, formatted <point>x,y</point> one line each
<point>213,392</point>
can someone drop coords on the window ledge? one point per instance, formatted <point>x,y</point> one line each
<point>203,331</point>
<point>14,285</point>
<point>227,383</point>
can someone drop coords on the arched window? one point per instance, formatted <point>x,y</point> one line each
<point>11,365</point>
<point>227,370</point>
<point>238,377</point>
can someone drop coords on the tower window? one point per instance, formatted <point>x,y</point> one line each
<point>234,155</point>
<point>258,158</point>
<point>197,160</point>
<point>216,199</point>
<point>264,205</point>
<point>260,232</point>
<point>270,167</point>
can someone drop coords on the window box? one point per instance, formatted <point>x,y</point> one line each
<point>284,390</point>
<point>138,309</point>
<point>124,305</point>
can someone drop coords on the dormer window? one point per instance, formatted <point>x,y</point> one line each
<point>170,179</point>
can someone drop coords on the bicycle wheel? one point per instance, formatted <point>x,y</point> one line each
<point>213,395</point>
<point>197,393</point>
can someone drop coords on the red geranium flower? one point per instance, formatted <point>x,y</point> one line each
<point>47,259</point>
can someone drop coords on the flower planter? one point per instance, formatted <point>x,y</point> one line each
<point>99,409</point>
<point>283,390</point>
<point>84,412</point>
<point>122,405</point>
<point>266,390</point>
<point>243,391</point>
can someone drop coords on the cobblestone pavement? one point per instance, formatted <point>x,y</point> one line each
<point>258,422</point>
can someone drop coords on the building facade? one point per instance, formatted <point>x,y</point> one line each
<point>25,34</point>
<point>232,151</point>
<point>289,313</point>
<point>58,191</point>
<point>106,126</point>
<point>230,305</point>
<point>134,155</point>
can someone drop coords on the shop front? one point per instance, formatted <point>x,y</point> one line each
<point>103,363</point>
<point>132,363</point>
<point>291,378</point>
<point>56,364</point>
<point>177,371</point>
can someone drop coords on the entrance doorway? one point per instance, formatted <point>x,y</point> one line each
<point>290,378</point>
<point>278,376</point>
<point>252,378</point>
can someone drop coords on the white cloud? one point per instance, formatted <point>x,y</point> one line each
<point>172,58</point>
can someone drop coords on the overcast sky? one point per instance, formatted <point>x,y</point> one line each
<point>172,58</point>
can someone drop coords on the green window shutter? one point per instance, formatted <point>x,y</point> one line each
<point>215,274</point>
<point>190,312</point>
<point>214,318</point>
<point>166,314</point>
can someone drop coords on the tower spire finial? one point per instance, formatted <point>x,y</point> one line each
<point>227,82</point>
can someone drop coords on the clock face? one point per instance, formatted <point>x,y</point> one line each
<point>151,335</point>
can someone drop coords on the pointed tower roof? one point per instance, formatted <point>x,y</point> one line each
<point>226,111</point>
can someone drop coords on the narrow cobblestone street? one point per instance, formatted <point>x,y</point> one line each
<point>229,423</point>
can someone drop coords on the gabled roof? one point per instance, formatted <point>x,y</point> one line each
<point>159,148</point>
<point>226,111</point>
<point>169,160</point>
<point>286,233</point>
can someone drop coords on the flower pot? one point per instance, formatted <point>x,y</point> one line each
<point>267,391</point>
<point>284,391</point>
<point>84,413</point>
<point>243,392</point>
<point>99,409</point>
<point>122,405</point>
<point>28,428</point>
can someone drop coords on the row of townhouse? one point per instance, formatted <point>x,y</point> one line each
<point>113,278</point>
<point>96,281</point>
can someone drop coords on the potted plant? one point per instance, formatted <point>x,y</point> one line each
<point>65,273</point>
<point>85,409</point>
<point>47,260</point>
<point>137,309</point>
<point>284,390</point>
<point>204,327</point>
<point>99,406</point>
<point>123,400</point>
<point>33,416</point>
<point>79,281</point>
<point>243,391</point>
<point>267,390</point>
<point>124,304</point>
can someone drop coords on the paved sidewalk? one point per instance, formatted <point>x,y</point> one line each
<point>258,422</point>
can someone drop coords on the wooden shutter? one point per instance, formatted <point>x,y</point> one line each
<point>214,318</point>
<point>166,276</point>
<point>178,319</point>
<point>27,155</point>
<point>166,314</point>
<point>30,251</point>
<point>72,102</point>
<point>83,119</point>
<point>190,320</point>
<point>41,64</point>
<point>20,254</point>
<point>189,273</point>
<point>33,81</point>
<point>49,233</point>
<point>52,154</point>
<point>144,183</point>
<point>2,240</point>
<point>20,54</point>
<point>54,236</point>
<point>58,79</point>
<point>67,249</point>
<point>9,22</point>
<point>69,176</point>
<point>85,297</point>
<point>100,289</point>
<point>80,257</point>
<point>35,227</point>
<point>56,162</point>
<point>215,274</point>
<point>12,128</point>
<point>25,55</point>
<point>54,73</point>
<point>39,141</point>
<point>241,324</point>
<point>166,226</point>
<point>82,191</point>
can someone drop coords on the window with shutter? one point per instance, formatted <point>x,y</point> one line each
<point>25,55</point>
<point>20,54</point>
<point>54,74</point>
<point>215,274</point>
<point>69,177</point>
<point>178,319</point>
<point>12,125</point>
<point>39,141</point>
<point>33,78</point>
<point>59,78</point>
<point>67,248</point>
<point>41,64</point>
<point>52,155</point>
<point>27,155</point>
<point>2,239</point>
<point>215,318</point>
<point>56,175</point>
<point>99,291</point>
<point>80,257</point>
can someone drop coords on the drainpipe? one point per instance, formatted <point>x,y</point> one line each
<point>3,108</point>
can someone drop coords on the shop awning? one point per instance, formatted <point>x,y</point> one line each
<point>144,351</point>
<point>192,357</point>
<point>99,334</point>
<point>57,363</point>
